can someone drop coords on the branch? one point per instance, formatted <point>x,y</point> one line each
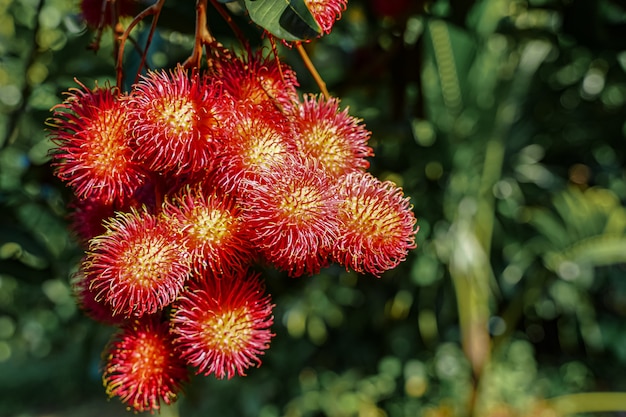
<point>154,9</point>
<point>238,33</point>
<point>309,65</point>
<point>202,37</point>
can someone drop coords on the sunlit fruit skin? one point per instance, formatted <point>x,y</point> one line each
<point>258,140</point>
<point>336,140</point>
<point>93,154</point>
<point>326,12</point>
<point>142,367</point>
<point>212,225</point>
<point>376,224</point>
<point>259,80</point>
<point>138,266</point>
<point>177,120</point>
<point>291,210</point>
<point>221,324</point>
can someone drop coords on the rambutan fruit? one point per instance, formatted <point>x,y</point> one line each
<point>142,367</point>
<point>259,80</point>
<point>93,156</point>
<point>335,139</point>
<point>138,266</point>
<point>87,218</point>
<point>326,12</point>
<point>376,224</point>
<point>212,225</point>
<point>221,324</point>
<point>258,140</point>
<point>86,300</point>
<point>291,212</point>
<point>103,13</point>
<point>177,121</point>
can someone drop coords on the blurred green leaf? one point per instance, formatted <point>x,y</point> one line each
<point>584,228</point>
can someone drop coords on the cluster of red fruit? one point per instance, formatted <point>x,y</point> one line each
<point>187,181</point>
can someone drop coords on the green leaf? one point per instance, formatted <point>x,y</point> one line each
<point>290,20</point>
<point>597,251</point>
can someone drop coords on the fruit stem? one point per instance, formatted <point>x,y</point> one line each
<point>316,76</point>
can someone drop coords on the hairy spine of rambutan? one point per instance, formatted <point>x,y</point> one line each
<point>221,324</point>
<point>291,210</point>
<point>93,156</point>
<point>376,224</point>
<point>142,367</point>
<point>138,266</point>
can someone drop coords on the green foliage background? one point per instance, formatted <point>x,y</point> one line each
<point>504,120</point>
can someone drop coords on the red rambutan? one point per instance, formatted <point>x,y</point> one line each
<point>326,12</point>
<point>335,139</point>
<point>138,266</point>
<point>376,224</point>
<point>177,121</point>
<point>90,129</point>
<point>221,324</point>
<point>291,213</point>
<point>258,80</point>
<point>141,366</point>
<point>213,229</point>
<point>258,140</point>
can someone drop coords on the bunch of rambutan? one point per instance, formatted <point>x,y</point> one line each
<point>185,183</point>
